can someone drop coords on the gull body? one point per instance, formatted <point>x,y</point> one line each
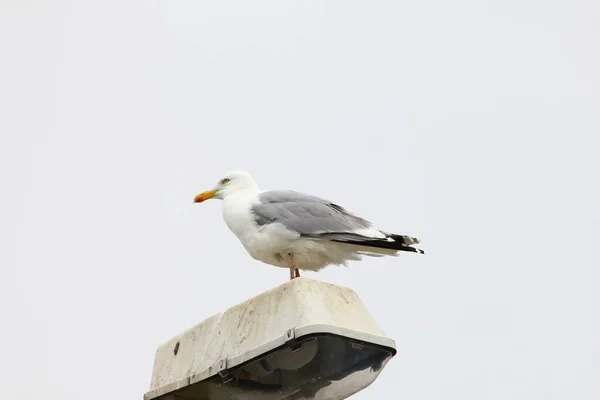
<point>293,230</point>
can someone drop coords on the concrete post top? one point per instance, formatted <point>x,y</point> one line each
<point>244,331</point>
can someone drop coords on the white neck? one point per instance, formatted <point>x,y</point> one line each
<point>236,213</point>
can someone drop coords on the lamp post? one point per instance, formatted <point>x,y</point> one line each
<point>304,339</point>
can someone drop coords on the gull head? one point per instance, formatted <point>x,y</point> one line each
<point>232,182</point>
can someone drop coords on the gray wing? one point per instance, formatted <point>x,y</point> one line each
<point>314,217</point>
<point>305,214</point>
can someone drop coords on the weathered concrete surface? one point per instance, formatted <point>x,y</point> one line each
<point>299,303</point>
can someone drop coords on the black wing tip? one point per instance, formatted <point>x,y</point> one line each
<point>397,242</point>
<point>406,242</point>
<point>383,244</point>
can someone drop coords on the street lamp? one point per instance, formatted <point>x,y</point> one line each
<point>302,340</point>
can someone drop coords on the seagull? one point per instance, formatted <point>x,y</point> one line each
<point>293,230</point>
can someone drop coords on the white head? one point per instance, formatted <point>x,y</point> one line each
<point>233,181</point>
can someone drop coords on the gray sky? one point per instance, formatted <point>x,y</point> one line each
<point>471,125</point>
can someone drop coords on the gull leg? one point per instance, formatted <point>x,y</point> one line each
<point>297,273</point>
<point>294,273</point>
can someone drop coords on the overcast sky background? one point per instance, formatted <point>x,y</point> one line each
<point>472,125</point>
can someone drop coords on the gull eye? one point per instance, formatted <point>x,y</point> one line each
<point>225,181</point>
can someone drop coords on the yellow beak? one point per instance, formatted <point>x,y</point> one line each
<point>204,196</point>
